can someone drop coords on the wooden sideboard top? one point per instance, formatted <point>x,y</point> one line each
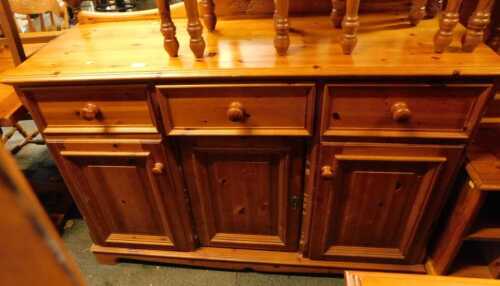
<point>388,46</point>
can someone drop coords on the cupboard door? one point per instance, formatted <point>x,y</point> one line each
<point>377,202</point>
<point>245,193</point>
<point>128,194</point>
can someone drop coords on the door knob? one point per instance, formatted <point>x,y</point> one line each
<point>158,168</point>
<point>89,111</point>
<point>327,172</point>
<point>235,112</point>
<point>400,111</point>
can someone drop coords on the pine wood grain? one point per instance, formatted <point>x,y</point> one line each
<point>124,198</point>
<point>203,109</point>
<point>385,44</point>
<point>379,200</point>
<point>241,259</point>
<point>367,109</point>
<point>117,108</point>
<point>354,278</point>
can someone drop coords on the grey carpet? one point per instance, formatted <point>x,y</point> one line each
<point>78,241</point>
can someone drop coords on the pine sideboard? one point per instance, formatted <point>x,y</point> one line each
<point>313,162</point>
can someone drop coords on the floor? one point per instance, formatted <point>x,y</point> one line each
<point>78,241</point>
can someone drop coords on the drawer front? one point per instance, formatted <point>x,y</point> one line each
<point>245,109</point>
<point>95,109</point>
<point>403,110</point>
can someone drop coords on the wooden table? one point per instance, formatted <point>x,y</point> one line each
<point>314,162</point>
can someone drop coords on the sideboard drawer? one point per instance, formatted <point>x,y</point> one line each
<point>92,109</point>
<point>240,109</point>
<point>403,110</point>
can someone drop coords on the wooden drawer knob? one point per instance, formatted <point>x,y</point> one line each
<point>89,111</point>
<point>158,168</point>
<point>327,172</point>
<point>236,113</point>
<point>400,111</point>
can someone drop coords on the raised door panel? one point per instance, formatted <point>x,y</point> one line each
<point>127,193</point>
<point>245,193</point>
<point>376,202</point>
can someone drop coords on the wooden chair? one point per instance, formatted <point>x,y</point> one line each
<point>38,8</point>
<point>476,25</point>
<point>11,108</point>
<point>46,33</point>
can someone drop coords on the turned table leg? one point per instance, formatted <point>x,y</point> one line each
<point>350,26</point>
<point>449,20</point>
<point>282,27</point>
<point>338,11</point>
<point>476,25</point>
<point>170,42</point>
<point>417,12</point>
<point>208,13</point>
<point>194,28</point>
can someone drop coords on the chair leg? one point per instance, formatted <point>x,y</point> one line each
<point>208,13</point>
<point>417,12</point>
<point>350,26</point>
<point>338,12</point>
<point>195,29</point>
<point>20,129</point>
<point>27,140</point>
<point>476,25</point>
<point>8,134</point>
<point>170,42</point>
<point>449,20</point>
<point>282,27</point>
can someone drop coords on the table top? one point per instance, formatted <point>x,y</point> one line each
<point>387,46</point>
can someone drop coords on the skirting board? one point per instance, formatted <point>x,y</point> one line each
<point>239,259</point>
